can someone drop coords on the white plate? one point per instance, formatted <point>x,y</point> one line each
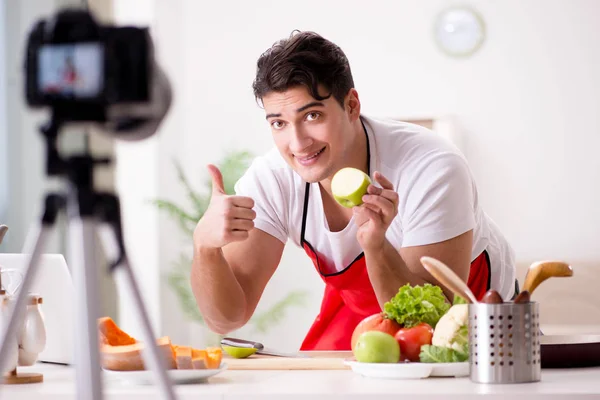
<point>404,370</point>
<point>178,376</point>
<point>456,369</point>
<point>391,371</point>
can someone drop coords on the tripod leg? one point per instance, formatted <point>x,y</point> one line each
<point>82,258</point>
<point>114,247</point>
<point>52,206</point>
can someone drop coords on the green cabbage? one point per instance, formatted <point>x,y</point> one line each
<point>457,350</point>
<point>438,354</point>
<point>461,339</point>
<point>415,304</point>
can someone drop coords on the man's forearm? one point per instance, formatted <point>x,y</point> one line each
<point>388,272</point>
<point>218,293</point>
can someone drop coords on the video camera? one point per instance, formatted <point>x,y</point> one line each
<point>85,71</point>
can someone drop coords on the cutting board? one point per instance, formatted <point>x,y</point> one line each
<point>316,360</point>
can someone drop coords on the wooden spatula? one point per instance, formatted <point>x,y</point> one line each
<point>539,271</point>
<point>448,278</point>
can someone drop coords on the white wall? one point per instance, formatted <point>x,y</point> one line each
<point>527,104</point>
<point>140,229</point>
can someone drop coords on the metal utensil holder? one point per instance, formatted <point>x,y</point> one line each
<point>504,342</point>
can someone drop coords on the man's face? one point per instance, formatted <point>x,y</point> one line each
<point>312,135</point>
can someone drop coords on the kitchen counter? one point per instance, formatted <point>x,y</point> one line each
<point>316,385</point>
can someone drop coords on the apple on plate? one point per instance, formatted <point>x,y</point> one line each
<point>377,347</point>
<point>375,322</point>
<point>349,185</point>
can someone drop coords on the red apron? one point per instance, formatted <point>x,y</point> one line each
<point>349,296</point>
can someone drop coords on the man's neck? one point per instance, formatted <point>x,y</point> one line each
<point>356,157</point>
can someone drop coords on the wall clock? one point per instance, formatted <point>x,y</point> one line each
<point>459,31</point>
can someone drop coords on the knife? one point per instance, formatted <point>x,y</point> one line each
<point>260,349</point>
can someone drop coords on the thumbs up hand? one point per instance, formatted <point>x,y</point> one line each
<point>227,218</point>
<point>217,180</point>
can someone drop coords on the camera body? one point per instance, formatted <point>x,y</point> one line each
<point>80,68</point>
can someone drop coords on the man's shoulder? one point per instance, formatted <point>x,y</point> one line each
<point>397,133</point>
<point>393,126</point>
<point>404,143</point>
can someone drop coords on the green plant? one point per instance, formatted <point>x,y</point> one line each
<point>232,167</point>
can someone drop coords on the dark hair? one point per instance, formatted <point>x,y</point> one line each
<point>307,59</point>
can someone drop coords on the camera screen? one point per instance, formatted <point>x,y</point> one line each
<point>71,70</point>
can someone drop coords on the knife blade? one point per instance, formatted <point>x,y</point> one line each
<point>270,352</point>
<point>260,349</point>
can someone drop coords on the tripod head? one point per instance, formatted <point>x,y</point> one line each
<point>78,169</point>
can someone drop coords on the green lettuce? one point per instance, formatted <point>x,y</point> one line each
<point>415,304</point>
<point>438,354</point>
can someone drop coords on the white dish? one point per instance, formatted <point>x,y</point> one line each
<point>391,371</point>
<point>178,376</point>
<point>404,370</point>
<point>455,369</point>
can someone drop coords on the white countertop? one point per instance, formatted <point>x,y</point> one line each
<point>315,385</point>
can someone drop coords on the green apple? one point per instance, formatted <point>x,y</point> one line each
<point>349,185</point>
<point>377,347</point>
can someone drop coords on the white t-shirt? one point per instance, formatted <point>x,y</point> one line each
<point>438,200</point>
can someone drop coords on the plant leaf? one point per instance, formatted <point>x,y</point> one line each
<point>179,281</point>
<point>185,221</point>
<point>267,319</point>
<point>199,201</point>
<point>232,167</point>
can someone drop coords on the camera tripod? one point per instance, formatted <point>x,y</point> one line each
<point>86,210</point>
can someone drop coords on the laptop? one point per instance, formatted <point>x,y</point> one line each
<point>54,284</point>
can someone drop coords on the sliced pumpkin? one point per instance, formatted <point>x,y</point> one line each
<point>214,355</point>
<point>198,358</point>
<point>121,352</point>
<point>183,357</point>
<point>112,334</point>
<point>102,339</point>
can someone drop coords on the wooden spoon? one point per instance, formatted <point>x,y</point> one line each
<point>539,271</point>
<point>448,278</point>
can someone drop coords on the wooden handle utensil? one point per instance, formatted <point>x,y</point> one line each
<point>448,278</point>
<point>539,271</point>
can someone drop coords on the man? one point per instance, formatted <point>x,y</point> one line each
<point>424,203</point>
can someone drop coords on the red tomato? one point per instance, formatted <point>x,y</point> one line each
<point>375,322</point>
<point>411,340</point>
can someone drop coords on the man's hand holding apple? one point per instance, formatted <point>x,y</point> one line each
<point>374,216</point>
